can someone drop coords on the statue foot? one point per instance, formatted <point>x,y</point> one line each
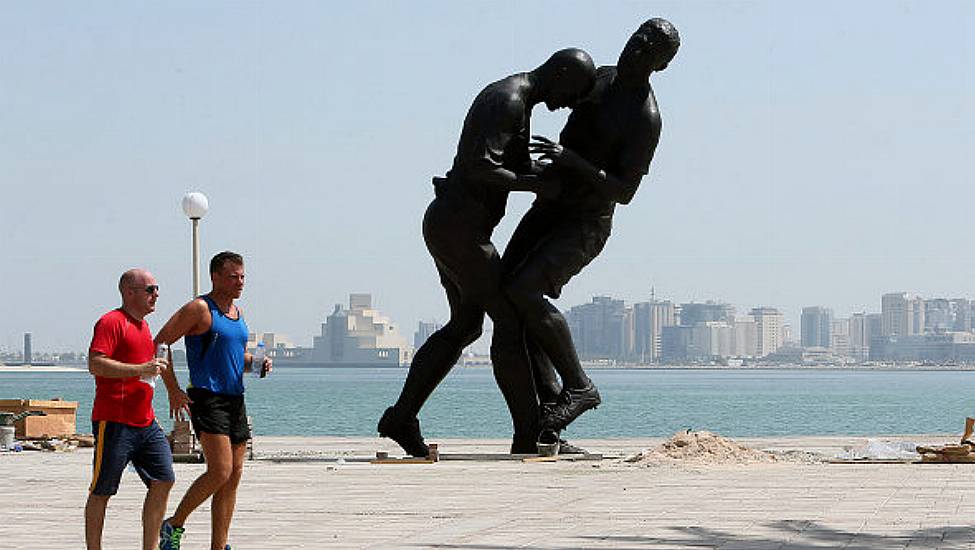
<point>523,445</point>
<point>570,405</point>
<point>566,448</point>
<point>550,438</point>
<point>405,432</point>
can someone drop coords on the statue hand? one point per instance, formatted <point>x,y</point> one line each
<point>557,153</point>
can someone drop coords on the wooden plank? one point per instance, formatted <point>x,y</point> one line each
<point>493,457</point>
<point>541,459</point>
<point>872,461</point>
<point>402,461</point>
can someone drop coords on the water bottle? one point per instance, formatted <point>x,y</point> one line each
<point>162,351</point>
<point>257,364</point>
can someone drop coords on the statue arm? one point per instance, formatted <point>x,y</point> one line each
<point>618,183</point>
<point>632,163</point>
<point>507,180</point>
<point>508,121</point>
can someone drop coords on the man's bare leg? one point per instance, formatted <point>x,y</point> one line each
<point>969,428</point>
<point>95,520</point>
<point>225,500</point>
<point>153,510</point>
<point>219,458</point>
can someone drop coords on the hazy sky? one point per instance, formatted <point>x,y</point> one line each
<point>812,152</point>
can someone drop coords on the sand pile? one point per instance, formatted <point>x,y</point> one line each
<point>700,448</point>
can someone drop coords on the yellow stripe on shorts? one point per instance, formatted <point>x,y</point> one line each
<point>99,448</point>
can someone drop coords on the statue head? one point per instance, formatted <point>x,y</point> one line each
<point>650,49</point>
<point>566,78</point>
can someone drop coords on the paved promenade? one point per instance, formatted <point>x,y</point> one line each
<point>504,504</point>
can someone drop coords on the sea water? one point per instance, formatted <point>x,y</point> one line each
<point>636,402</point>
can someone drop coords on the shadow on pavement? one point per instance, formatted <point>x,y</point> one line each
<point>785,534</point>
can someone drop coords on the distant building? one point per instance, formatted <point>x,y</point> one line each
<point>277,346</point>
<point>424,330</point>
<point>938,315</point>
<point>28,352</point>
<point>875,326</point>
<point>947,347</point>
<point>649,320</point>
<point>839,338</point>
<point>859,336</point>
<point>360,335</point>
<point>677,344</point>
<point>768,330</point>
<point>788,338</point>
<point>598,329</point>
<point>947,315</point>
<point>962,310</point>
<point>694,313</point>
<point>902,314</point>
<point>745,337</point>
<point>815,326</point>
<point>714,339</point>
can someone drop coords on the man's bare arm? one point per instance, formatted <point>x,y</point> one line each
<point>102,365</point>
<point>192,318</point>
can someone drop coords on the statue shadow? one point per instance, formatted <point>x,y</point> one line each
<point>784,534</point>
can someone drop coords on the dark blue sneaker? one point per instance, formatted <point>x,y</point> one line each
<point>170,536</point>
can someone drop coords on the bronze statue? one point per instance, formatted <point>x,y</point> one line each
<point>603,153</point>
<point>492,160</point>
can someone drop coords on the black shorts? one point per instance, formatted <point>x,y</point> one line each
<point>555,244</point>
<point>216,413</point>
<point>118,444</point>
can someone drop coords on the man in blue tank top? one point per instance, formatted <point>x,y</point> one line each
<point>215,335</point>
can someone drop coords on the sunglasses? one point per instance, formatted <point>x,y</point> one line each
<point>150,289</point>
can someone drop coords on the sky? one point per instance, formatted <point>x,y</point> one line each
<point>811,153</point>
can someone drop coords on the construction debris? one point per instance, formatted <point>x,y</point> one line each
<point>382,457</point>
<point>700,448</point>
<point>879,450</point>
<point>184,444</point>
<point>948,454</point>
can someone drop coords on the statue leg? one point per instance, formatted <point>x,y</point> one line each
<point>532,230</point>
<point>560,254</point>
<point>545,326</point>
<point>547,384</point>
<point>509,358</point>
<point>512,372</point>
<point>440,352</point>
<point>430,365</point>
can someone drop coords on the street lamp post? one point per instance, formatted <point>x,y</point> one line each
<point>195,206</point>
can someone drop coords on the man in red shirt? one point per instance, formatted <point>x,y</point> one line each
<point>122,359</point>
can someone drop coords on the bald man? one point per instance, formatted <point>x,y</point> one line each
<point>122,359</point>
<point>492,160</point>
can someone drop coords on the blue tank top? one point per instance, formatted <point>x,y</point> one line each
<point>216,357</point>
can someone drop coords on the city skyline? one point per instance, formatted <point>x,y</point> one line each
<point>810,154</point>
<point>427,326</point>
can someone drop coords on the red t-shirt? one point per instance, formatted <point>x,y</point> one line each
<point>124,400</point>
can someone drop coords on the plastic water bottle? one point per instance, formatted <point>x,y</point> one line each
<point>257,364</point>
<point>162,350</point>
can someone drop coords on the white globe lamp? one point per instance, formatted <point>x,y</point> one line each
<point>195,206</point>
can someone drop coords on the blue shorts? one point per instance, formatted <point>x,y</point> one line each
<point>118,444</point>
